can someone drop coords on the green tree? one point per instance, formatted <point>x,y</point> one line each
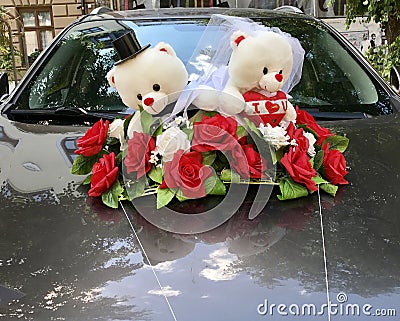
<point>6,49</point>
<point>387,14</point>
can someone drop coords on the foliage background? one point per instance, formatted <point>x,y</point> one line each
<point>387,14</point>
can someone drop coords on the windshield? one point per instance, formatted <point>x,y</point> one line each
<point>74,75</point>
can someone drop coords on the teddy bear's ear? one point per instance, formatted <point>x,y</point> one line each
<point>164,47</point>
<point>237,38</point>
<point>110,77</point>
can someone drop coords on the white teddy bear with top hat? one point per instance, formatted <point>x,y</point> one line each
<point>147,77</point>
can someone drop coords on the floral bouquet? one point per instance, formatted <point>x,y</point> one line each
<point>192,158</point>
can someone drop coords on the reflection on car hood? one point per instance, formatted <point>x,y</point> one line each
<point>75,259</point>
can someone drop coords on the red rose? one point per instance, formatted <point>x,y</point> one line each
<point>92,142</point>
<point>140,147</point>
<point>305,118</point>
<point>299,167</point>
<point>186,172</point>
<point>297,134</point>
<point>247,162</point>
<point>104,174</point>
<point>334,165</point>
<point>214,133</point>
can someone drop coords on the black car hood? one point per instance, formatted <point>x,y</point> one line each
<point>75,259</point>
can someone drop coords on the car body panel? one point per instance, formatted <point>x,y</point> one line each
<point>73,257</point>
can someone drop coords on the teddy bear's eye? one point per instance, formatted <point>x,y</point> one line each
<point>156,87</point>
<point>265,70</point>
<point>139,96</point>
<point>281,72</point>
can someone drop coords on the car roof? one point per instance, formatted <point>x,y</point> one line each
<point>168,13</point>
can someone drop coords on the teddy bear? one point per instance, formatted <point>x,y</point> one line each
<point>147,77</point>
<point>258,68</point>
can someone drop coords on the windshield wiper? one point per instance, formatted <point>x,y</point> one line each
<point>70,111</point>
<point>334,115</point>
<point>78,111</point>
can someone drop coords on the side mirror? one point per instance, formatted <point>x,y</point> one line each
<point>4,88</point>
<point>395,78</point>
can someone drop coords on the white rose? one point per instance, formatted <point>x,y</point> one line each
<point>116,130</point>
<point>277,136</point>
<point>311,141</point>
<point>170,141</point>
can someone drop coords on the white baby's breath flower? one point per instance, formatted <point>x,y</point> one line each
<point>154,159</point>
<point>116,130</point>
<point>277,136</point>
<point>170,141</point>
<point>311,141</point>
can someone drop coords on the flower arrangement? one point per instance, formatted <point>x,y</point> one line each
<point>190,159</point>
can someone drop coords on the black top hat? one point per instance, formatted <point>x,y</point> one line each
<point>127,46</point>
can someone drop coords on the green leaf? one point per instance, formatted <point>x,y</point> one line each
<point>304,126</point>
<point>318,158</point>
<point>189,132</point>
<point>164,196</point>
<point>87,180</point>
<point>146,120</point>
<point>252,127</point>
<point>126,124</point>
<point>337,142</point>
<point>219,187</point>
<point>119,157</point>
<point>112,141</point>
<point>209,158</point>
<point>156,174</point>
<point>159,130</point>
<point>209,184</point>
<point>290,190</point>
<point>209,113</point>
<point>136,189</point>
<point>329,188</point>
<point>272,152</point>
<point>179,195</point>
<point>280,152</point>
<point>318,180</point>
<point>228,175</point>
<point>112,195</point>
<point>83,165</point>
<point>241,131</point>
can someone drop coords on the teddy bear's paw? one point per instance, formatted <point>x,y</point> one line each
<point>231,103</point>
<point>134,125</point>
<point>207,98</point>
<point>291,114</point>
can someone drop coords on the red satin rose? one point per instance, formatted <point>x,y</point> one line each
<point>247,162</point>
<point>104,174</point>
<point>139,152</point>
<point>297,134</point>
<point>92,142</point>
<point>334,165</point>
<point>186,172</point>
<point>214,133</point>
<point>299,167</point>
<point>305,118</point>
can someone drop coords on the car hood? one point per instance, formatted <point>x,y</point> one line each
<point>70,257</point>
